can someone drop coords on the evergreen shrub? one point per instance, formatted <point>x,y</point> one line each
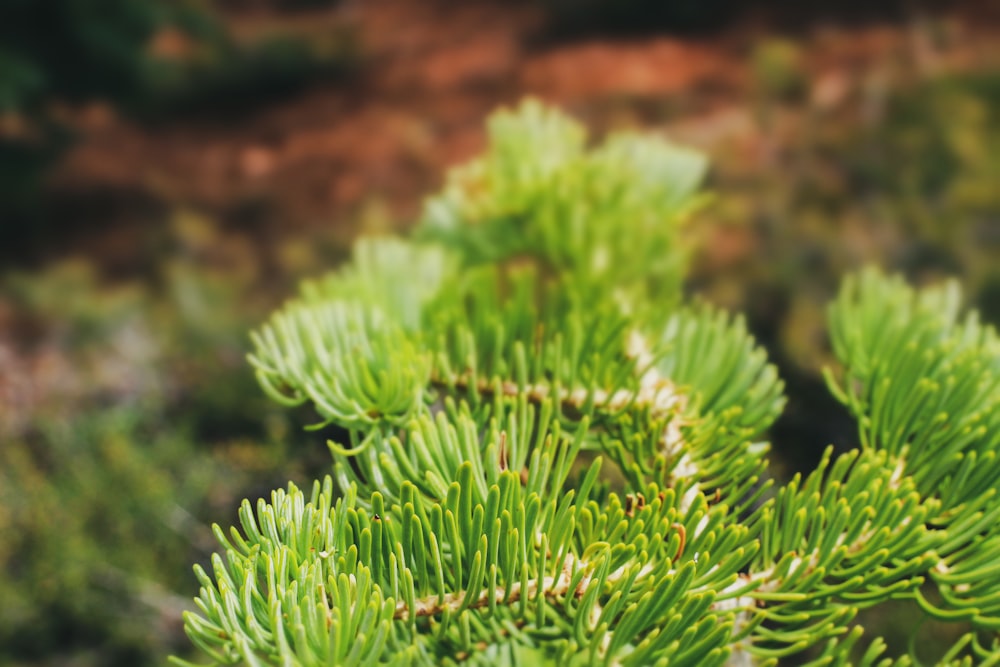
<point>550,456</point>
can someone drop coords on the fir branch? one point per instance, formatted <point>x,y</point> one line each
<point>487,371</point>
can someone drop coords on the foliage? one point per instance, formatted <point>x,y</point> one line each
<point>78,50</point>
<point>127,425</point>
<point>898,172</point>
<point>73,49</point>
<point>777,68</point>
<point>148,58</point>
<point>887,166</point>
<point>544,467</point>
<point>77,496</point>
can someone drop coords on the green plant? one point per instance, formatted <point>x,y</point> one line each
<point>127,424</point>
<point>150,59</point>
<point>550,458</point>
<point>894,173</point>
<point>777,68</point>
<point>144,54</point>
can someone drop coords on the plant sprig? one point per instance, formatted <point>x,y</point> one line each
<point>549,457</point>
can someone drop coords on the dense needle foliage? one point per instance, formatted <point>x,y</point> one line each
<point>550,457</point>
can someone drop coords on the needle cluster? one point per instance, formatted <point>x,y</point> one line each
<point>550,457</point>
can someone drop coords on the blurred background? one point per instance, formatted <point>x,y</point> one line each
<point>169,170</point>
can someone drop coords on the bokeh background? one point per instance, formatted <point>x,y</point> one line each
<point>169,169</point>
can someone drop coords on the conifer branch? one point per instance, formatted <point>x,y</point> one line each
<point>550,455</point>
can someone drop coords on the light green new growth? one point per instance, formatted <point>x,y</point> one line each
<point>549,458</point>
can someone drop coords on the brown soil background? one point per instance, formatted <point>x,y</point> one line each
<point>429,73</point>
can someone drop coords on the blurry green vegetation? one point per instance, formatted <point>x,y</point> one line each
<point>97,510</point>
<point>777,67</point>
<point>149,58</point>
<point>225,75</point>
<point>904,176</point>
<point>77,49</point>
<point>129,422</point>
<point>143,54</point>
